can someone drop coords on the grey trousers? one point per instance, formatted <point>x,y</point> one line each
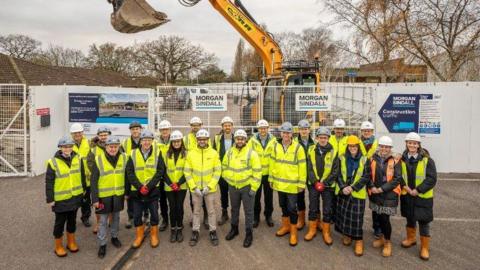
<point>237,196</point>
<point>103,226</point>
<point>197,207</point>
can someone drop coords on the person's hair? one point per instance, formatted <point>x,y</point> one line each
<point>424,152</point>
<point>171,149</point>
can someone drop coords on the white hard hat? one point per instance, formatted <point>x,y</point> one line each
<point>227,119</point>
<point>262,123</point>
<point>76,127</point>
<point>339,123</point>
<point>203,133</point>
<point>165,124</point>
<point>176,135</point>
<point>367,125</point>
<point>386,141</point>
<point>195,120</point>
<point>413,136</point>
<point>240,133</point>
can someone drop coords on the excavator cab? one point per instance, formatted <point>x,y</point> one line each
<point>132,16</point>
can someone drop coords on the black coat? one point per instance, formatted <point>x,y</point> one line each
<point>417,208</point>
<point>134,182</point>
<point>112,203</point>
<point>388,197</point>
<point>320,164</point>
<point>66,205</point>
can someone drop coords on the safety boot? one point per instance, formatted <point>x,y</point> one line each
<point>285,228</point>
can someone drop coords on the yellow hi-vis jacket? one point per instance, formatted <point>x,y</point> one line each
<point>111,181</point>
<point>369,153</point>
<point>202,169</point>
<point>163,146</point>
<point>263,153</point>
<point>145,169</point>
<point>288,169</point>
<point>362,193</point>
<point>82,150</point>
<point>174,170</point>
<point>242,167</point>
<point>340,146</point>
<point>420,175</point>
<point>329,158</point>
<point>68,180</point>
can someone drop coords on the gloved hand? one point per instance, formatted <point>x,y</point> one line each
<point>319,186</point>
<point>251,192</point>
<point>205,191</point>
<point>144,190</point>
<point>174,187</point>
<point>198,192</point>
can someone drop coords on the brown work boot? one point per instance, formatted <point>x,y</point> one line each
<point>293,234</point>
<point>319,224</point>
<point>71,244</point>
<point>378,243</point>
<point>347,241</point>
<point>326,233</point>
<point>312,230</point>
<point>139,235</point>
<point>424,249</point>
<point>387,249</point>
<point>95,227</point>
<point>301,220</point>
<point>285,228</point>
<point>411,239</point>
<point>154,236</point>
<point>358,247</point>
<point>59,249</point>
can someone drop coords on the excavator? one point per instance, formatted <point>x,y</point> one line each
<point>280,81</point>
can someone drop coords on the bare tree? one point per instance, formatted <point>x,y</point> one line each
<point>19,46</point>
<point>109,56</point>
<point>60,56</point>
<point>237,62</point>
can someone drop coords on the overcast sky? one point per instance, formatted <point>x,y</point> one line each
<point>77,24</point>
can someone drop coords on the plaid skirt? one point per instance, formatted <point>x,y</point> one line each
<point>349,216</point>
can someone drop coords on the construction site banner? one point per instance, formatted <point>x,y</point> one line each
<point>209,102</point>
<point>305,102</point>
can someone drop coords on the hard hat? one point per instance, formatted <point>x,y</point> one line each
<point>147,134</point>
<point>240,133</point>
<point>203,133</point>
<point>367,125</point>
<point>304,124</point>
<point>176,135</point>
<point>352,139</point>
<point>104,129</point>
<point>164,124</point>
<point>76,127</point>
<point>386,141</point>
<point>339,123</point>
<point>135,124</point>
<point>64,141</point>
<point>196,121</point>
<point>413,136</point>
<point>286,127</point>
<point>112,140</point>
<point>262,123</point>
<point>227,119</point>
<point>322,131</point>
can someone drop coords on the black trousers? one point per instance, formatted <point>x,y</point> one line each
<point>68,218</point>
<point>163,202</point>
<point>130,209</point>
<point>223,193</point>
<point>139,207</point>
<point>314,204</point>
<point>424,227</point>
<point>86,207</point>
<point>301,201</point>
<point>288,203</point>
<point>376,222</point>
<point>175,200</point>
<point>267,199</point>
<point>385,225</point>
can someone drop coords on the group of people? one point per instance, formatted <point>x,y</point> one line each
<point>341,170</point>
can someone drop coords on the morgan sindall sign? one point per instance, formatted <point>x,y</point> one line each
<point>209,102</point>
<point>313,102</point>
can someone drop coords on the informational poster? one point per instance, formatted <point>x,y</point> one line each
<point>305,102</point>
<point>209,102</point>
<point>113,110</point>
<point>430,116</point>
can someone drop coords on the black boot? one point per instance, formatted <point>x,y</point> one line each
<point>116,243</point>
<point>86,221</point>
<point>194,238</point>
<point>233,232</point>
<point>173,235</point>
<point>224,218</point>
<point>248,239</point>
<point>179,235</point>
<point>163,226</point>
<point>102,251</point>
<point>269,221</point>
<point>256,221</point>
<point>205,220</point>
<point>129,223</point>
<point>214,238</point>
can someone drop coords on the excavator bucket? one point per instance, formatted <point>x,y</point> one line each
<point>136,15</point>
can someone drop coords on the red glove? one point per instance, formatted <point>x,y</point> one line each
<point>174,186</point>
<point>101,206</point>
<point>144,190</point>
<point>319,186</point>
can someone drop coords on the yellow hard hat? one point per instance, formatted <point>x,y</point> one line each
<point>352,140</point>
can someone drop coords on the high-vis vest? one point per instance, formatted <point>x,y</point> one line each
<point>263,153</point>
<point>390,173</point>
<point>68,180</point>
<point>420,175</point>
<point>145,169</point>
<point>127,146</point>
<point>174,170</point>
<point>362,193</point>
<point>83,150</point>
<point>288,169</point>
<point>202,169</point>
<point>340,146</point>
<point>242,168</point>
<point>97,151</point>
<point>112,180</point>
<point>369,153</point>
<point>328,160</point>
<point>163,147</point>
